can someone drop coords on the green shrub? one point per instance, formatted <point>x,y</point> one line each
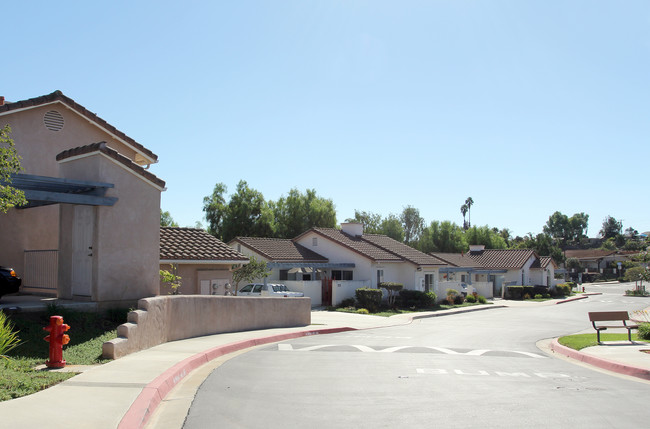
<point>8,337</point>
<point>369,298</point>
<point>416,299</point>
<point>470,299</point>
<point>363,311</point>
<point>514,292</point>
<point>538,296</point>
<point>459,299</point>
<point>644,331</point>
<point>451,296</point>
<point>347,302</point>
<point>547,295</point>
<point>481,299</point>
<point>563,289</point>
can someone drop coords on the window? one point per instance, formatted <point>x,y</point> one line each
<point>284,274</point>
<point>257,288</point>
<point>380,276</point>
<point>314,241</point>
<point>341,275</point>
<point>246,288</point>
<point>428,282</point>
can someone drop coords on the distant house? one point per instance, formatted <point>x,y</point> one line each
<point>91,228</point>
<point>487,270</point>
<point>597,261</point>
<point>342,260</point>
<point>201,260</point>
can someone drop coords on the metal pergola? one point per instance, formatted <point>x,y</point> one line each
<point>43,190</point>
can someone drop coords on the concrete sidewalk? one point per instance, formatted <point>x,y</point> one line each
<point>125,393</point>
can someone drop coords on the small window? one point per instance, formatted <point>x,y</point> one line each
<point>314,241</point>
<point>246,288</point>
<point>257,288</point>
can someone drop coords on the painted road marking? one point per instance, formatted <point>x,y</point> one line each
<point>285,347</point>
<point>474,373</point>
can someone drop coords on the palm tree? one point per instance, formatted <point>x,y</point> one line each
<point>468,202</point>
<point>463,210</point>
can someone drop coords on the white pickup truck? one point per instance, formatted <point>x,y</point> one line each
<point>270,289</point>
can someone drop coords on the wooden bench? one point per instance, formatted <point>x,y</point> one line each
<point>611,316</point>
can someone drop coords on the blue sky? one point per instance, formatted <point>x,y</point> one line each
<point>527,107</point>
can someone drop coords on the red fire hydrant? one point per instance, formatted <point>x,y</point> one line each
<point>57,339</point>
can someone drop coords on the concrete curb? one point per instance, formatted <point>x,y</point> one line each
<point>153,394</point>
<point>572,299</point>
<point>458,311</point>
<point>600,362</point>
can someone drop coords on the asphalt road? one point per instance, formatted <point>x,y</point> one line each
<point>468,370</point>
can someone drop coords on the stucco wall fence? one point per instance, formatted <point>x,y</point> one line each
<point>168,318</point>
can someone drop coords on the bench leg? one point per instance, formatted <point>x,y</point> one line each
<point>598,335</point>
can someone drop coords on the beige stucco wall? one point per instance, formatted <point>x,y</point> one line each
<point>192,274</point>
<point>38,228</point>
<point>169,318</point>
<point>127,234</point>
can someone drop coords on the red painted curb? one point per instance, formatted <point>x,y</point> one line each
<point>154,393</point>
<point>572,299</point>
<point>600,362</point>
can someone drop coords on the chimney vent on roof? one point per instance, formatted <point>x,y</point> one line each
<point>476,247</point>
<point>352,228</point>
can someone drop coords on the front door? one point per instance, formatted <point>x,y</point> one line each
<point>82,250</point>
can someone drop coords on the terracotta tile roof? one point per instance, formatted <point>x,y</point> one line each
<point>192,244</point>
<point>113,154</point>
<point>280,249</point>
<point>502,258</point>
<point>588,253</point>
<point>457,259</point>
<point>58,96</point>
<point>378,248</point>
<point>356,244</point>
<point>402,250</point>
<point>543,262</point>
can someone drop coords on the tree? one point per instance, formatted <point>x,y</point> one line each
<point>469,202</point>
<point>413,225</point>
<point>446,237</point>
<point>371,221</point>
<point>484,235</point>
<point>298,212</point>
<point>392,227</point>
<point>9,165</point>
<point>166,219</point>
<point>567,229</point>
<point>543,245</point>
<point>247,214</point>
<point>172,278</point>
<point>464,209</point>
<point>215,208</point>
<point>254,270</point>
<point>611,228</point>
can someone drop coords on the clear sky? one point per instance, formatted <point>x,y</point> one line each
<point>529,107</point>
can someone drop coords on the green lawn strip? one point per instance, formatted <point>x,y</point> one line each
<point>18,378</point>
<point>581,341</point>
<point>389,313</point>
<point>88,331</point>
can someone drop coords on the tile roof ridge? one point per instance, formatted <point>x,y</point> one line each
<point>57,95</point>
<point>113,154</point>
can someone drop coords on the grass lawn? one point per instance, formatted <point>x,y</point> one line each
<point>578,342</point>
<point>88,331</point>
<point>393,312</point>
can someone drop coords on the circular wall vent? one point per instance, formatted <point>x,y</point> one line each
<point>53,120</point>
